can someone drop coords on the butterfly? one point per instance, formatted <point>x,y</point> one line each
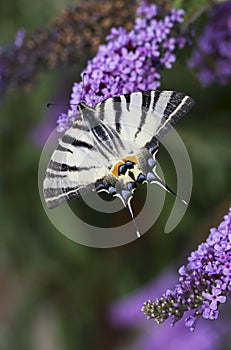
<point>113,146</point>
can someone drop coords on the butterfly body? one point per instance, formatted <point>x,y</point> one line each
<point>112,146</point>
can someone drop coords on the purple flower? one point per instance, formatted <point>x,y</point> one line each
<point>147,11</point>
<point>125,314</point>
<point>168,59</point>
<point>214,297</point>
<point>20,36</point>
<point>204,283</point>
<point>130,61</point>
<point>212,58</point>
<point>177,15</point>
<point>207,313</point>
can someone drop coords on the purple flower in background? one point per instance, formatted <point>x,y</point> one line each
<point>130,61</point>
<point>19,39</point>
<point>204,283</point>
<point>71,36</point>
<point>212,58</point>
<point>125,314</point>
<point>20,36</point>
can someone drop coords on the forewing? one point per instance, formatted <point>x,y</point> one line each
<point>142,117</point>
<point>74,166</point>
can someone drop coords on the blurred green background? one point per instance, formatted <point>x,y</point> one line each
<point>54,293</point>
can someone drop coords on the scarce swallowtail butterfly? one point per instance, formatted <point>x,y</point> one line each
<point>112,146</point>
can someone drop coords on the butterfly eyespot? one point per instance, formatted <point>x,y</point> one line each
<point>151,162</point>
<point>150,177</point>
<point>141,178</point>
<point>131,186</point>
<point>99,186</point>
<point>122,169</point>
<point>153,149</point>
<point>129,164</point>
<point>111,190</point>
<point>126,194</point>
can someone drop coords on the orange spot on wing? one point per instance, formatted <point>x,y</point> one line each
<point>115,169</point>
<point>132,158</point>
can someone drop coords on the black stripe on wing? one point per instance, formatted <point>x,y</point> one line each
<point>63,149</point>
<point>76,143</point>
<point>156,98</point>
<point>178,105</point>
<point>50,175</point>
<point>118,112</point>
<point>128,101</point>
<point>101,133</point>
<point>79,126</point>
<point>107,140</point>
<point>146,101</point>
<point>56,166</point>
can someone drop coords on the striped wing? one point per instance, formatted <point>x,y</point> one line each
<point>143,117</point>
<point>74,167</point>
<point>118,127</point>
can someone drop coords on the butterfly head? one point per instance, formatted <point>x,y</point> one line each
<point>82,105</point>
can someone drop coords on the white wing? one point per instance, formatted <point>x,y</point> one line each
<point>138,118</point>
<point>142,116</point>
<point>74,167</point>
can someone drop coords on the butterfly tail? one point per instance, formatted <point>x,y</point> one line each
<point>129,208</point>
<point>126,196</point>
<point>161,183</point>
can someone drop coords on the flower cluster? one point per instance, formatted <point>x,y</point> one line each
<point>124,315</point>
<point>212,58</point>
<point>130,60</point>
<point>77,32</point>
<point>204,283</point>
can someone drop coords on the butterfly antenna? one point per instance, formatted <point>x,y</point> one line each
<point>128,206</point>
<point>49,104</point>
<point>83,86</point>
<point>168,189</point>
